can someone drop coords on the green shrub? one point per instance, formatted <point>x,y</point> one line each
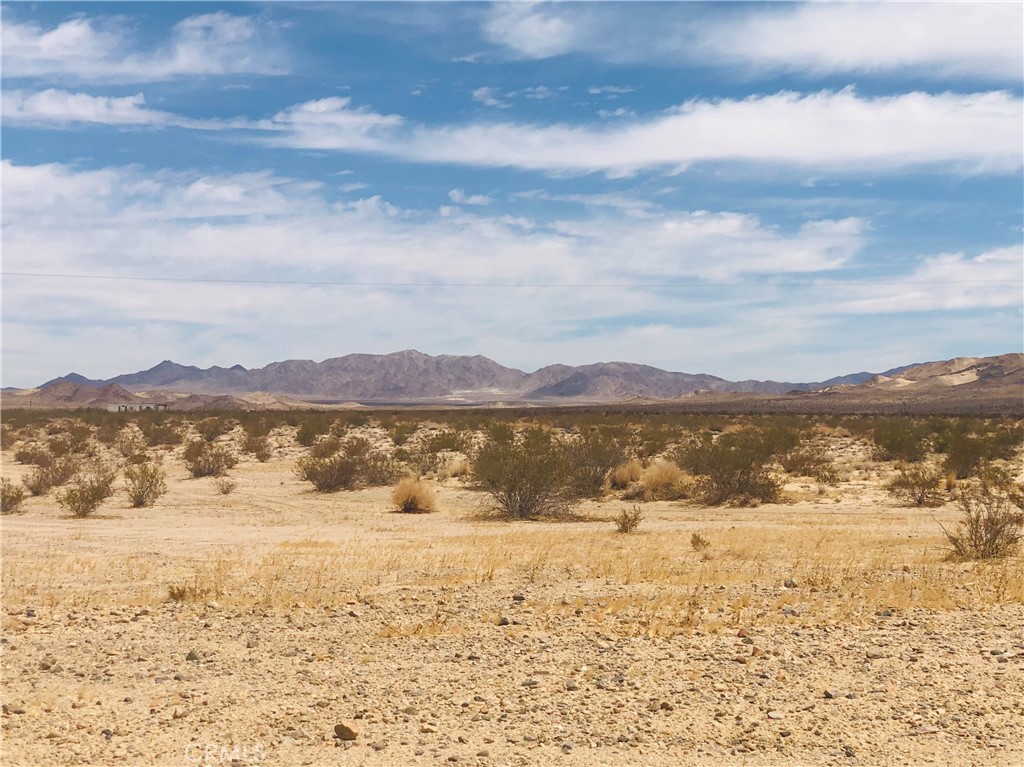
<point>161,433</point>
<point>205,459</point>
<point>733,468</point>
<point>918,485</point>
<point>325,447</point>
<point>900,439</point>
<point>145,482</point>
<point>329,474</point>
<point>11,497</point>
<point>56,473</point>
<point>257,446</point>
<point>401,431</point>
<point>524,478</point>
<point>590,457</point>
<point>33,455</point>
<point>213,427</point>
<point>88,490</point>
<point>809,462</point>
<point>991,517</point>
<point>309,430</point>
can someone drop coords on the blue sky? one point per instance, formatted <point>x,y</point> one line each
<point>788,191</point>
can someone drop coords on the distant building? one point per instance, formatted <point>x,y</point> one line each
<point>133,408</point>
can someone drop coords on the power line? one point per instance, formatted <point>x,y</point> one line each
<point>508,285</point>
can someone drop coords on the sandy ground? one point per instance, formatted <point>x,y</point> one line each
<point>443,639</point>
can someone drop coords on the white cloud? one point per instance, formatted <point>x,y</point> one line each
<point>947,281</point>
<point>838,131</point>
<point>460,197</point>
<point>933,40</point>
<point>88,49</point>
<point>490,96</point>
<point>62,109</point>
<point>529,31</point>
<point>612,90</point>
<point>127,221</point>
<point>605,114</point>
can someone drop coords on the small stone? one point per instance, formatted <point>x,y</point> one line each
<point>874,653</point>
<point>785,734</point>
<point>530,683</point>
<point>410,710</point>
<point>107,733</point>
<point>832,693</point>
<point>666,706</point>
<point>344,732</point>
<point>742,633</point>
<point>518,598</point>
<point>192,655</point>
<point>504,621</point>
<point>15,709</point>
<point>789,611</point>
<point>571,686</point>
<point>568,745</point>
<point>776,715</point>
<point>848,750</point>
<point>789,583</point>
<point>180,678</point>
<point>483,753</point>
<point>379,746</point>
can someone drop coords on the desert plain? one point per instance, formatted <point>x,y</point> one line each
<point>275,625</point>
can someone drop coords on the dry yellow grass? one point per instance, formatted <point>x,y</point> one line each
<point>413,496</point>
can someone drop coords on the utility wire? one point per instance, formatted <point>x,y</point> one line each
<point>508,285</point>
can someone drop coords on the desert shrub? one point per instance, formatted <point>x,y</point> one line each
<point>457,466</point>
<point>967,449</point>
<point>699,543</point>
<point>900,439</point>
<point>11,497</point>
<point>413,496</point>
<point>213,427</point>
<point>108,433</point>
<point>374,467</point>
<point>650,440</point>
<point>401,431</point>
<point>329,474</point>
<point>160,433</point>
<point>205,459</point>
<point>257,446</point>
<point>325,447</point>
<point>309,430</point>
<point>256,427</point>
<point>88,490</point>
<point>33,455</point>
<point>661,481</point>
<point>629,520</point>
<point>625,474</point>
<point>44,478</point>
<point>225,485</point>
<point>145,483</point>
<point>991,518</point>
<point>808,462</point>
<point>8,437</point>
<point>130,443</point>
<point>447,440</point>
<point>524,478</point>
<point>918,485</point>
<point>731,468</point>
<point>589,458</point>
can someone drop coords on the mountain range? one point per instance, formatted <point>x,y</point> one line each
<point>411,376</point>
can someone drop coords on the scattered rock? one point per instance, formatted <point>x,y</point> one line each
<point>789,583</point>
<point>776,715</point>
<point>192,655</point>
<point>874,653</point>
<point>344,732</point>
<point>832,693</point>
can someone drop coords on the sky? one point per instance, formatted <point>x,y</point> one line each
<point>772,190</point>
